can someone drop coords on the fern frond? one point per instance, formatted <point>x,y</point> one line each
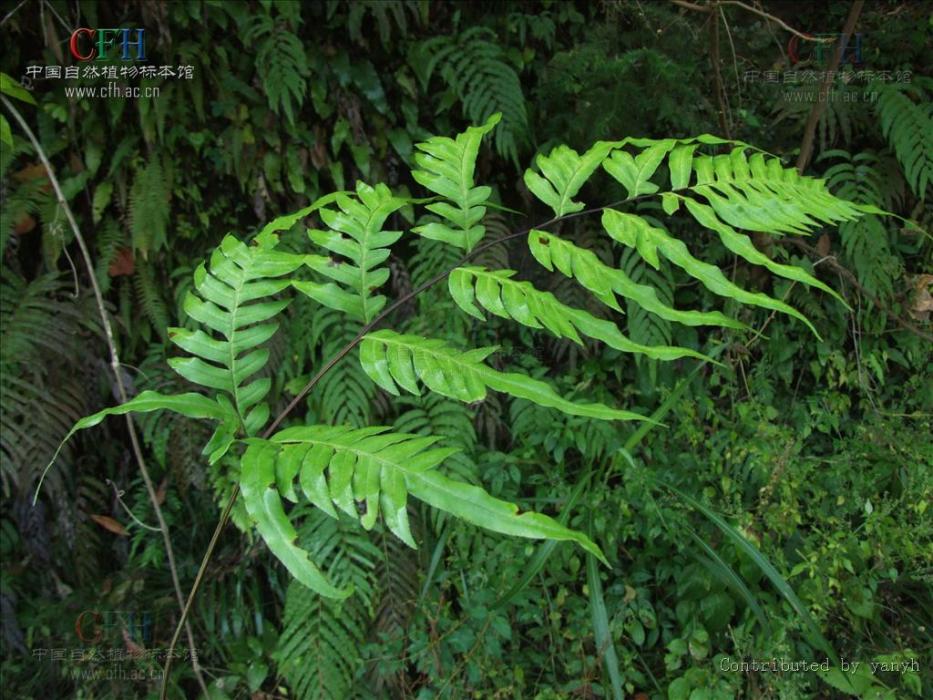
<point>564,172</point>
<point>604,281</point>
<point>759,194</point>
<point>281,64</point>
<point>446,168</point>
<point>635,232</point>
<point>149,198</point>
<point>149,298</point>
<point>908,127</point>
<point>382,12</point>
<point>356,236</point>
<point>392,360</point>
<point>507,298</point>
<point>345,395</point>
<point>866,241</point>
<point>362,472</point>
<point>319,649</point>
<point>238,274</point>
<point>474,65</point>
<point>644,327</point>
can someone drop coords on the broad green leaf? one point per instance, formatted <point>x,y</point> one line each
<point>390,358</point>
<point>564,172</point>
<point>9,86</point>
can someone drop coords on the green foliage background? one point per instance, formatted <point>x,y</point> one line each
<point>817,452</point>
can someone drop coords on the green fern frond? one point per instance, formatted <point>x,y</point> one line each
<point>507,298</point>
<point>908,127</point>
<point>605,281</point>
<point>149,198</point>
<point>356,237</point>
<point>750,192</point>
<point>281,64</point>
<point>392,360</point>
<point>149,298</point>
<point>384,13</point>
<point>474,65</point>
<point>563,173</point>
<point>362,472</point>
<point>635,232</point>
<point>110,239</point>
<point>865,241</point>
<point>238,274</point>
<point>319,649</point>
<point>446,168</point>
<point>345,395</point>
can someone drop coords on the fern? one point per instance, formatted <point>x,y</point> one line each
<point>508,298</point>
<point>446,168</point>
<point>392,360</point>
<point>356,236</point>
<point>281,63</point>
<point>150,299</point>
<point>362,472</point>
<point>908,126</point>
<point>319,649</point>
<point>149,198</point>
<point>474,67</point>
<point>383,14</point>
<point>865,241</point>
<point>41,374</point>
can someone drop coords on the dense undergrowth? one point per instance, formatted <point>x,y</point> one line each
<point>780,514</point>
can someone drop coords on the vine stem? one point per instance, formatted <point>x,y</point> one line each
<point>343,352</point>
<point>118,377</point>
